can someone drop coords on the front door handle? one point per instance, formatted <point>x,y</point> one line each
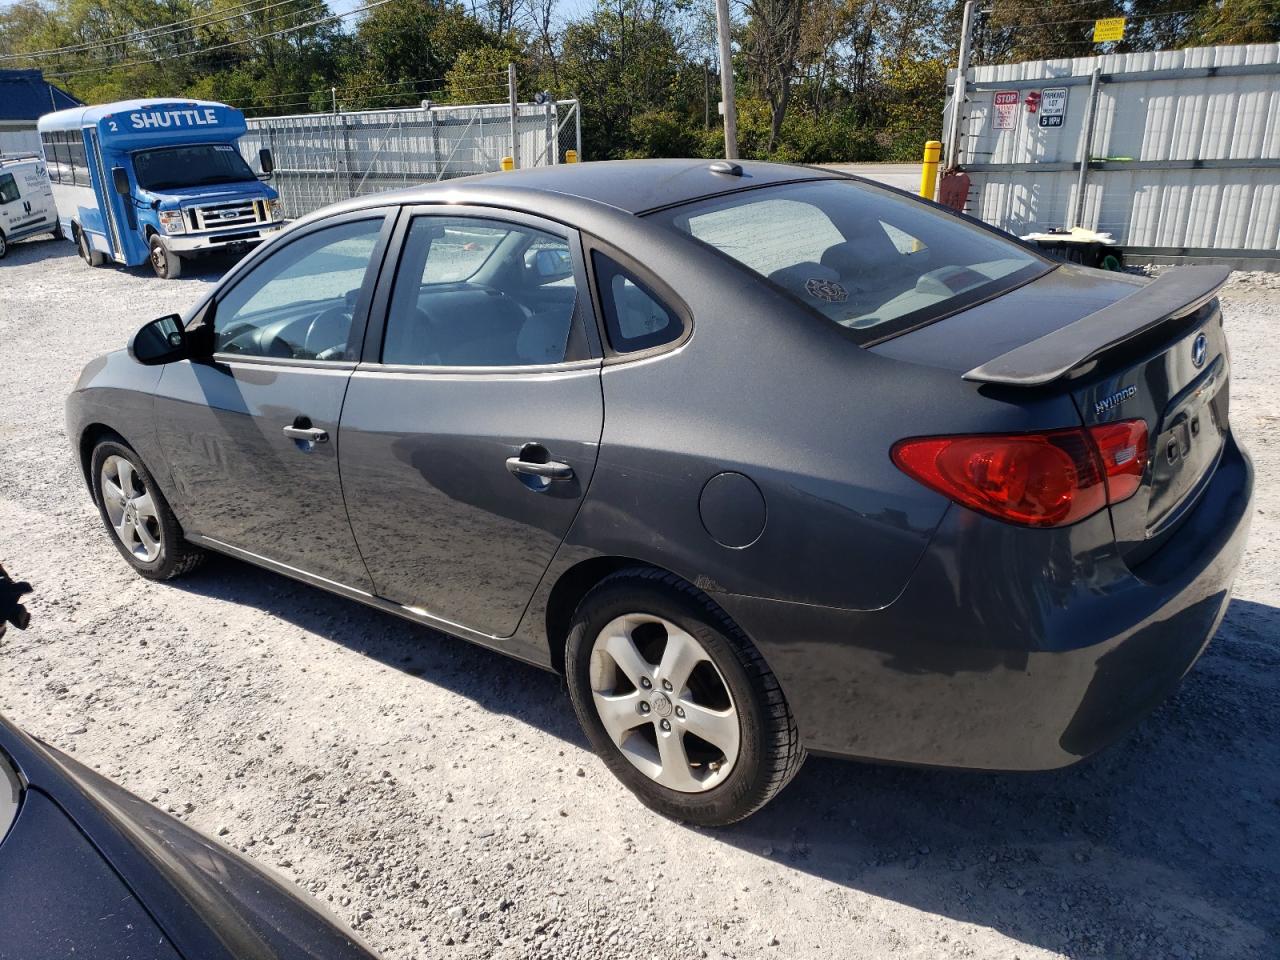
<point>307,434</point>
<point>535,461</point>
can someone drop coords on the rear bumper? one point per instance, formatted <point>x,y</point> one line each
<point>1009,649</point>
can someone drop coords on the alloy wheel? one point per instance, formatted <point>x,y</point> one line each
<point>130,509</point>
<point>664,703</point>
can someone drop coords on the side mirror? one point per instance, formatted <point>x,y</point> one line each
<point>266,161</point>
<point>120,180</point>
<point>160,341</point>
<point>549,264</point>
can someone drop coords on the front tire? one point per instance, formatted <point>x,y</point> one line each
<point>166,263</point>
<point>677,701</point>
<point>137,516</point>
<point>4,245</point>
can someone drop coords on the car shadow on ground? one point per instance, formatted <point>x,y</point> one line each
<point>492,680</point>
<point>1167,844</point>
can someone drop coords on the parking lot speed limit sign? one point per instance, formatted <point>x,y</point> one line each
<point>1053,106</point>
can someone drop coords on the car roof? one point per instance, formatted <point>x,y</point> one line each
<point>629,186</point>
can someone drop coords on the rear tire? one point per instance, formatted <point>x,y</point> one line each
<point>56,232</point>
<point>138,519</point>
<point>653,741</point>
<point>4,245</point>
<point>90,256</point>
<point>166,263</point>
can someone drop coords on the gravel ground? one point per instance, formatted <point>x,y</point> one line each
<point>440,799</point>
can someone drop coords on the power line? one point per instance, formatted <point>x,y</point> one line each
<point>1054,6</point>
<point>401,94</point>
<point>1058,23</point>
<point>158,32</point>
<point>222,46</point>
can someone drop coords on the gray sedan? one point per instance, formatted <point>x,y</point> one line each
<point>764,459</point>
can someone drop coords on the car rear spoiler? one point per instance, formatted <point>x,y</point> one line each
<point>1175,293</point>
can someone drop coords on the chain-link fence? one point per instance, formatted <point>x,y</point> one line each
<point>325,157</point>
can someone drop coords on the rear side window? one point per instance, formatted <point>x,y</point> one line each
<point>8,188</point>
<point>870,260</point>
<point>473,292</point>
<point>634,316</point>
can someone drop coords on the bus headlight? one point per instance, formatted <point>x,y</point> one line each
<point>277,209</point>
<point>171,221</point>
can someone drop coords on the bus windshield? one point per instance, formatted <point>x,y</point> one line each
<point>195,165</point>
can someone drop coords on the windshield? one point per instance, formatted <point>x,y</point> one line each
<point>197,165</point>
<point>874,262</point>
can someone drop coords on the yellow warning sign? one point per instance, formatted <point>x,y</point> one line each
<point>1107,29</point>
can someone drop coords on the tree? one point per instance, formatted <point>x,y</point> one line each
<point>404,49</point>
<point>622,60</point>
<point>772,46</point>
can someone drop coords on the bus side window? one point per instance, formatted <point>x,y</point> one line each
<point>62,146</point>
<point>79,163</point>
<point>50,160</point>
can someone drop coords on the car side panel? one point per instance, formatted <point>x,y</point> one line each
<point>117,392</point>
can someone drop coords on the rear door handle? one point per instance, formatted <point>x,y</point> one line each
<point>535,461</point>
<point>552,470</point>
<point>309,434</point>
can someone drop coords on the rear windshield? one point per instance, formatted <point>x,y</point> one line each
<point>198,165</point>
<point>874,262</point>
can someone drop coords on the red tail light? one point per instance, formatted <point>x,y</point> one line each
<point>1036,479</point>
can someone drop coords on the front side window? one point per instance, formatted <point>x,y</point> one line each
<point>198,165</point>
<point>472,292</point>
<point>298,303</point>
<point>8,188</point>
<point>872,261</point>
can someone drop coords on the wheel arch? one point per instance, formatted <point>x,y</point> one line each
<point>90,437</point>
<point>578,580</point>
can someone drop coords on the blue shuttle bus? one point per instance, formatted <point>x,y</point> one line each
<point>156,181</point>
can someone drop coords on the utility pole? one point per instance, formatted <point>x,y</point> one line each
<point>515,108</point>
<point>726,81</point>
<point>958,98</point>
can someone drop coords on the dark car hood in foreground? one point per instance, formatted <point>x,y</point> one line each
<point>973,336</point>
<point>81,844</point>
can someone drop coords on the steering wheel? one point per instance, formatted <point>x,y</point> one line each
<point>327,333</point>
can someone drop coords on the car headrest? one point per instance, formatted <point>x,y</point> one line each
<point>861,255</point>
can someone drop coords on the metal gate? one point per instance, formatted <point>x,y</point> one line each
<point>325,157</point>
<point>1175,153</point>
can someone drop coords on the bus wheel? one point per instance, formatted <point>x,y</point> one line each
<point>90,256</point>
<point>164,261</point>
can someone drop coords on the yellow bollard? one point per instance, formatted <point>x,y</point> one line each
<point>571,156</point>
<point>508,163</point>
<point>929,169</point>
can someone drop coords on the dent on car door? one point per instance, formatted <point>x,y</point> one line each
<point>468,446</point>
<point>250,434</point>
